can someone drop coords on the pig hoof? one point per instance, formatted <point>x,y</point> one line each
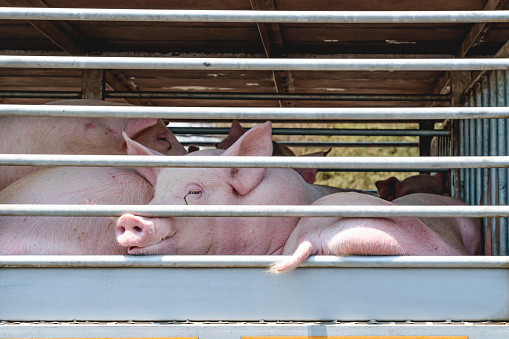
<point>282,267</point>
<point>275,269</point>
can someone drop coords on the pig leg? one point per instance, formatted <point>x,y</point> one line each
<point>365,236</point>
<point>347,236</point>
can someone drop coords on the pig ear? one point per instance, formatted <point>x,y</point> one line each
<point>236,131</point>
<point>281,150</point>
<point>135,148</point>
<point>309,174</point>
<point>135,126</point>
<point>443,179</point>
<point>387,188</point>
<point>255,142</point>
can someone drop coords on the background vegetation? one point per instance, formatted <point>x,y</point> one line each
<point>357,180</point>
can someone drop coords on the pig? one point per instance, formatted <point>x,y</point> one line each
<point>67,135</point>
<point>24,235</point>
<point>392,188</point>
<point>275,235</point>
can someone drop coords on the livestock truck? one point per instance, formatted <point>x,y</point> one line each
<point>440,69</point>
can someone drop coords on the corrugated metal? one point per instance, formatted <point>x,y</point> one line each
<point>486,137</point>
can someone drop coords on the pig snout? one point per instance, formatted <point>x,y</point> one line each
<point>138,233</point>
<point>132,230</point>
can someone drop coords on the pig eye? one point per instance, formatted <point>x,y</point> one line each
<point>189,193</point>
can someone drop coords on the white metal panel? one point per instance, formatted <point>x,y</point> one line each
<point>244,294</point>
<point>259,329</point>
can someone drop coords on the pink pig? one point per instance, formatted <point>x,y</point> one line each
<point>55,135</point>
<point>276,235</point>
<point>69,185</point>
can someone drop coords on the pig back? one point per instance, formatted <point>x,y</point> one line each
<point>69,235</point>
<point>459,232</point>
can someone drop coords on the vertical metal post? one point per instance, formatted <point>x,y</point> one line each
<point>485,171</point>
<point>425,141</point>
<point>506,189</point>
<point>493,171</point>
<point>476,179</point>
<point>502,172</point>
<point>462,152</point>
<point>472,134</point>
<point>459,83</point>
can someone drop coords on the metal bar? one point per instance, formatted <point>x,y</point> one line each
<point>476,136</point>
<point>231,96</point>
<point>258,113</point>
<point>346,211</point>
<point>486,171</point>
<point>398,17</point>
<point>243,261</point>
<point>259,328</point>
<point>382,163</point>
<point>463,152</point>
<point>502,173</point>
<point>320,144</point>
<point>493,172</point>
<point>280,96</point>
<point>40,94</point>
<point>281,64</point>
<point>506,189</point>
<point>317,131</point>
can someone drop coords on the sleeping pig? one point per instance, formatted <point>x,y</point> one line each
<point>277,235</point>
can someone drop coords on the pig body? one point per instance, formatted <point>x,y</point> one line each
<point>272,235</point>
<point>63,135</point>
<point>380,236</point>
<point>69,235</point>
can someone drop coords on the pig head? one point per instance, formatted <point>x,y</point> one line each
<point>63,135</point>
<point>393,188</point>
<point>218,186</point>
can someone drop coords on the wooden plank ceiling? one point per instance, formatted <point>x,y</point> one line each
<point>248,40</point>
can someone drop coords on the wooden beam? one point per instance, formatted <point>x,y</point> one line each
<point>477,31</point>
<point>60,33</point>
<point>67,39</point>
<point>474,35</point>
<point>272,41</point>
<point>92,84</point>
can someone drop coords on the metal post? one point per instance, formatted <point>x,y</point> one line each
<point>502,173</point>
<point>493,172</point>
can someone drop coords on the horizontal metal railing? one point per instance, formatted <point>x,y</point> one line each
<point>183,210</point>
<point>320,144</point>
<point>247,261</point>
<point>255,161</point>
<point>257,113</point>
<point>229,96</point>
<point>254,64</point>
<point>397,17</point>
<point>318,131</point>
